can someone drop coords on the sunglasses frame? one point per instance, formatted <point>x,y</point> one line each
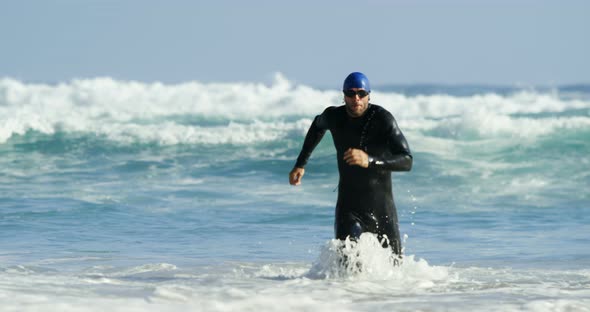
<point>353,93</point>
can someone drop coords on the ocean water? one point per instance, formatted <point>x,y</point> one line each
<point>131,196</point>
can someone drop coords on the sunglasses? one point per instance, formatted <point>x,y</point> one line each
<point>352,93</point>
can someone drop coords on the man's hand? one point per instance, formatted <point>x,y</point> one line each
<point>356,157</point>
<point>295,176</point>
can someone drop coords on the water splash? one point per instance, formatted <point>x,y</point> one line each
<point>366,259</point>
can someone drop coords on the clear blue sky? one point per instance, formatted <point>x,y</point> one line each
<point>311,42</point>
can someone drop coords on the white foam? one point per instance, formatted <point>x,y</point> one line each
<point>413,286</point>
<point>127,111</point>
<point>366,259</point>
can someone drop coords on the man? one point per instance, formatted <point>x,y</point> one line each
<point>369,145</point>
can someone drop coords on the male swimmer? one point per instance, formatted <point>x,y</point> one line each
<point>369,146</point>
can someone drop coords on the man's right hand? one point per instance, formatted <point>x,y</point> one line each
<point>295,176</point>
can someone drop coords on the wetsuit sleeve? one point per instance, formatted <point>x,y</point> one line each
<point>312,139</point>
<point>398,156</point>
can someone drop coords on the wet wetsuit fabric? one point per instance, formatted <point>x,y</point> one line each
<point>365,198</point>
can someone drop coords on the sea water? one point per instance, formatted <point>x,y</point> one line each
<point>132,196</point>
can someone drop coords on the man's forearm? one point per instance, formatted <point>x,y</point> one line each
<point>394,163</point>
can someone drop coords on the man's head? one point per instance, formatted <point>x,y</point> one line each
<point>356,90</point>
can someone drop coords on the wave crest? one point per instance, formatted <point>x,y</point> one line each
<point>242,113</point>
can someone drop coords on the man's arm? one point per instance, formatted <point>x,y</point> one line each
<point>312,139</point>
<point>399,157</point>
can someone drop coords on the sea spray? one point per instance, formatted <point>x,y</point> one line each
<point>365,258</point>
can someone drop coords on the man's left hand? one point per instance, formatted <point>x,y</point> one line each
<point>356,157</point>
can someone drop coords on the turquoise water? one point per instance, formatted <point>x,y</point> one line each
<point>166,197</point>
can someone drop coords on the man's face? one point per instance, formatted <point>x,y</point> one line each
<point>356,105</point>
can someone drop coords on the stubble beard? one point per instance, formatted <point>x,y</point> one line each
<point>356,113</point>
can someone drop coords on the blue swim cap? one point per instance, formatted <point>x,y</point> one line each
<point>356,80</point>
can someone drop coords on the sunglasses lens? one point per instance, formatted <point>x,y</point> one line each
<point>352,93</point>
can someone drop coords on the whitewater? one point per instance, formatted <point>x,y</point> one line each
<point>137,196</point>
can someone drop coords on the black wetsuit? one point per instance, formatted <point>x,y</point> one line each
<point>365,199</point>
